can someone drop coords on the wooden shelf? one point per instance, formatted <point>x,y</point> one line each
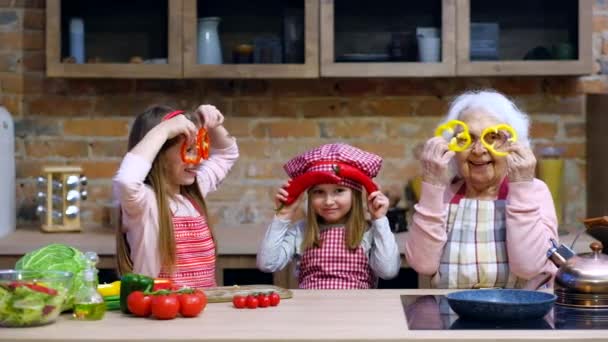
<point>308,69</point>
<point>54,56</point>
<point>326,39</point>
<point>579,66</point>
<point>331,68</point>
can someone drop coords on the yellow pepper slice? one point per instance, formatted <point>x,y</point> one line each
<point>112,289</point>
<point>495,129</point>
<point>454,144</point>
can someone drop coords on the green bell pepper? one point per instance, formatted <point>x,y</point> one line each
<point>133,282</point>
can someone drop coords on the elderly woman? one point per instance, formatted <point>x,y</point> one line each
<point>490,224</point>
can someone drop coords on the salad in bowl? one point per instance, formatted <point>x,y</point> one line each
<point>29,298</point>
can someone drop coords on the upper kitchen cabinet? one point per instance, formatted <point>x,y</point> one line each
<point>114,38</point>
<point>251,39</point>
<point>524,37</point>
<point>388,38</point>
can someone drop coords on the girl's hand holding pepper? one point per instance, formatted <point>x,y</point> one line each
<point>377,204</point>
<point>180,125</point>
<point>286,212</point>
<point>210,116</point>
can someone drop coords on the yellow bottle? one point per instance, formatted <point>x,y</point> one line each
<point>550,171</point>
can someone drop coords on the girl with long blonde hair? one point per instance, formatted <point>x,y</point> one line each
<point>161,189</point>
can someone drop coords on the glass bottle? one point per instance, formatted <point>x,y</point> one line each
<point>88,303</point>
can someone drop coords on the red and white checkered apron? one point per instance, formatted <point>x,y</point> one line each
<point>195,252</point>
<point>475,255</point>
<point>334,266</point>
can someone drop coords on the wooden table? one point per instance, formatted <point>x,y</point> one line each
<point>321,315</point>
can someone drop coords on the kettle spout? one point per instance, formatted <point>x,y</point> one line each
<point>559,254</point>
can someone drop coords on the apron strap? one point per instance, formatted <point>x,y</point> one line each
<point>502,192</point>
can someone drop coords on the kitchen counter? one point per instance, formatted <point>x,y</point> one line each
<point>237,247</point>
<point>317,315</point>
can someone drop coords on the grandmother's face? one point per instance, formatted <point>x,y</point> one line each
<point>477,165</point>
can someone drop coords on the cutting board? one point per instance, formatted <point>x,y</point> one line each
<point>225,293</point>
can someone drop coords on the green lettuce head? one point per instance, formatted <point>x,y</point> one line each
<point>57,257</point>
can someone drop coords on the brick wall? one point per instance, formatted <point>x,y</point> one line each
<point>85,121</point>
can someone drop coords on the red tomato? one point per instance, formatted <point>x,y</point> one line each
<point>239,302</point>
<point>202,296</point>
<point>263,300</point>
<point>252,302</point>
<point>190,304</point>
<point>274,299</point>
<point>165,306</point>
<point>139,304</point>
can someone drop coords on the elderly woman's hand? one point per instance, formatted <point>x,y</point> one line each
<point>435,158</point>
<point>521,163</point>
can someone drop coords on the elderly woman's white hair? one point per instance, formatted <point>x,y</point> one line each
<point>495,104</point>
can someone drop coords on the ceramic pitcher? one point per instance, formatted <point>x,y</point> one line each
<point>209,48</point>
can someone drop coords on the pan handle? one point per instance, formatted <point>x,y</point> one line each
<point>537,281</point>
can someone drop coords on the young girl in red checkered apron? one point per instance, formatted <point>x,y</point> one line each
<point>334,247</point>
<point>161,185</point>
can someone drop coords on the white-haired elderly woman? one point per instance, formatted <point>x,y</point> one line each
<point>488,221</point>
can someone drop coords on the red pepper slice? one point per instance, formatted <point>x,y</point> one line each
<point>34,287</point>
<point>353,173</point>
<point>203,142</point>
<point>306,180</point>
<point>202,146</point>
<point>162,284</point>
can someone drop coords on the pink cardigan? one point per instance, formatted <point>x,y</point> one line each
<point>531,222</point>
<point>138,203</point>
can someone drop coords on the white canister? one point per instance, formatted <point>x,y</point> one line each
<point>209,48</point>
<point>8,212</point>
<point>429,49</point>
<point>77,39</point>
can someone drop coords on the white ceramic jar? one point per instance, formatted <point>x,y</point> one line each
<point>209,48</point>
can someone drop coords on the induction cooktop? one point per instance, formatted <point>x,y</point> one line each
<point>433,313</point>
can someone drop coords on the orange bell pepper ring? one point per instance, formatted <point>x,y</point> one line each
<point>459,141</point>
<point>490,143</point>
<point>201,147</point>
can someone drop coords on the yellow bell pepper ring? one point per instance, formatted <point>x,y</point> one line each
<point>460,141</point>
<point>495,129</point>
<point>107,290</point>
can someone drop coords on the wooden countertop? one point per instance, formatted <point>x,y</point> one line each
<point>235,240</point>
<point>311,315</point>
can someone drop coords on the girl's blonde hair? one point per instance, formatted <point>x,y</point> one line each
<point>355,224</point>
<point>157,180</point>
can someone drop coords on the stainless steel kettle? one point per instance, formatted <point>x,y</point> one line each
<point>582,273</point>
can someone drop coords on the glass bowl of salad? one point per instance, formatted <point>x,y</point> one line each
<point>29,298</point>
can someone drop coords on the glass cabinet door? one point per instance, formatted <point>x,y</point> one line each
<point>387,38</point>
<point>527,37</point>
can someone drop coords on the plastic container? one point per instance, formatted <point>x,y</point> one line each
<point>77,39</point>
<point>7,173</point>
<point>31,298</point>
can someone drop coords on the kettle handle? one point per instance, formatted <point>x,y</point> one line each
<point>596,221</point>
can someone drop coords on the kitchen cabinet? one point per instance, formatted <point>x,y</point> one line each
<point>323,38</point>
<point>276,38</point>
<point>524,37</point>
<point>379,38</point>
<point>122,39</point>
